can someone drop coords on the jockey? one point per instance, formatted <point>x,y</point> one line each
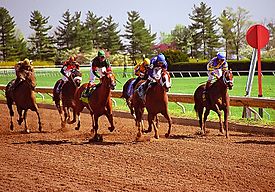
<point>215,67</point>
<point>156,63</point>
<point>140,71</point>
<point>66,69</point>
<point>21,69</point>
<point>99,65</point>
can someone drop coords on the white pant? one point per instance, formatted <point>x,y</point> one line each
<point>100,72</point>
<point>68,73</point>
<point>211,77</point>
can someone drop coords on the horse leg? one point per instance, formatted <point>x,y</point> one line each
<point>9,103</point>
<point>20,118</point>
<point>111,121</point>
<point>166,115</point>
<point>97,137</point>
<point>151,122</point>
<point>219,113</point>
<point>25,121</point>
<point>226,112</point>
<point>39,121</point>
<point>63,122</point>
<point>200,113</point>
<point>130,106</point>
<point>206,113</point>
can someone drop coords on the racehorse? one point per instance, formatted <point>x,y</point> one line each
<point>217,99</point>
<point>66,95</point>
<point>21,92</point>
<point>99,103</point>
<point>127,96</point>
<point>156,101</point>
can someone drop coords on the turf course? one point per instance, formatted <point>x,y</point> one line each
<point>186,85</point>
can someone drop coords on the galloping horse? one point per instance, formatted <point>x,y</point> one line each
<point>66,95</point>
<point>216,100</point>
<point>126,95</point>
<point>156,101</point>
<point>22,94</point>
<point>99,103</point>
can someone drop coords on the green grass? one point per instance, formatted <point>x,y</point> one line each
<point>186,85</point>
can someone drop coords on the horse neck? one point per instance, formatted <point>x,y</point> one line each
<point>220,87</point>
<point>105,92</point>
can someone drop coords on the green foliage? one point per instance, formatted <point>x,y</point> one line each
<point>111,38</point>
<point>42,47</point>
<point>139,37</point>
<point>205,34</point>
<point>175,56</point>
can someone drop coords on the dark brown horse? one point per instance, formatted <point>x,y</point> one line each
<point>156,101</point>
<point>21,92</point>
<point>127,96</point>
<point>99,103</point>
<point>66,95</point>
<point>217,99</point>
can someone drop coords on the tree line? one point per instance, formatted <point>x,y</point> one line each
<point>202,39</point>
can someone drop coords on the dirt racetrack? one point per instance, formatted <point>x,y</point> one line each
<point>63,159</point>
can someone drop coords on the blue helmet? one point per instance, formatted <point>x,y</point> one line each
<point>220,56</point>
<point>161,58</point>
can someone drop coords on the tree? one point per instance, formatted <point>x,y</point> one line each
<point>42,47</point>
<point>203,26</point>
<point>7,35</point>
<point>241,24</point>
<point>139,37</point>
<point>64,33</point>
<point>181,37</point>
<point>93,24</point>
<point>111,38</point>
<point>226,23</point>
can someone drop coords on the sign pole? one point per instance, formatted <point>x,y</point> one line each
<point>260,90</point>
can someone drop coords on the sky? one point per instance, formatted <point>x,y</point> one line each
<point>160,15</point>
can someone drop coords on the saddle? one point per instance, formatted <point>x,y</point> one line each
<point>87,92</point>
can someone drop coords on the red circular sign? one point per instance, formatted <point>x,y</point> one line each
<point>257,36</point>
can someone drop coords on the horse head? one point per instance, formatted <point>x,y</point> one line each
<point>163,78</point>
<point>227,78</point>
<point>109,80</point>
<point>76,77</point>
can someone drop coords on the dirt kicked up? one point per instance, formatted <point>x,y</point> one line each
<point>64,159</point>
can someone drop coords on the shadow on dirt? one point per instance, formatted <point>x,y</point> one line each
<point>65,142</point>
<point>256,142</point>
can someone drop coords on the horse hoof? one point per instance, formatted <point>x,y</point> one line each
<point>63,124</point>
<point>11,127</point>
<point>147,131</point>
<point>40,129</point>
<point>111,129</point>
<point>167,135</point>
<point>96,138</point>
<point>19,121</point>
<point>138,135</point>
<point>27,131</point>
<point>156,137</point>
<point>76,128</point>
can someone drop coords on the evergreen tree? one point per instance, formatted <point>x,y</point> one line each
<point>111,38</point>
<point>41,44</point>
<point>7,35</point>
<point>203,26</point>
<point>64,33</point>
<point>93,24</point>
<point>139,37</point>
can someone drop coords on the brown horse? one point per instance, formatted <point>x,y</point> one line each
<point>99,103</point>
<point>66,95</point>
<point>21,92</point>
<point>156,101</point>
<point>217,99</point>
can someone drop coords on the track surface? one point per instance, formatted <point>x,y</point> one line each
<point>64,160</point>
